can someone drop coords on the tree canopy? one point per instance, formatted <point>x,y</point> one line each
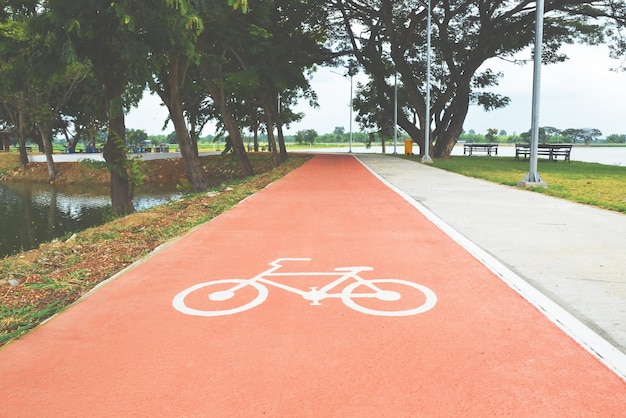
<point>245,64</point>
<point>388,37</point>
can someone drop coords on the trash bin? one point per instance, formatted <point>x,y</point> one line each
<point>408,146</point>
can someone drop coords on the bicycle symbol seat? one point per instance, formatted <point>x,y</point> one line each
<point>219,298</point>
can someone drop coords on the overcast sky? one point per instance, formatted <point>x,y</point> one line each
<point>579,93</point>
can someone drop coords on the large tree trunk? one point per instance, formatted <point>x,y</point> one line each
<point>114,151</point>
<point>450,127</point>
<point>271,141</point>
<point>47,145</point>
<point>45,132</point>
<point>446,141</point>
<point>232,127</point>
<point>281,141</point>
<point>188,151</point>
<point>268,109</point>
<point>237,141</point>
<point>255,133</point>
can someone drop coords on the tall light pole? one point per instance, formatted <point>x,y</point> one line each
<point>426,157</point>
<point>351,106</point>
<point>533,178</point>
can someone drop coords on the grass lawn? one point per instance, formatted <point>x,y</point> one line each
<point>589,183</point>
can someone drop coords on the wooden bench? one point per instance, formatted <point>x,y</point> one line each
<point>552,151</point>
<point>469,149</point>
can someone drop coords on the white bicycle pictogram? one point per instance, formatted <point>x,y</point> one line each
<point>356,291</point>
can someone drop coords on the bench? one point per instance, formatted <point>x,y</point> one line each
<point>552,151</point>
<point>469,149</point>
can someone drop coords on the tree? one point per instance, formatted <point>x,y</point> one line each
<point>173,29</point>
<point>84,116</point>
<point>370,113</point>
<point>253,60</point>
<point>547,134</point>
<point>55,76</point>
<point>616,139</point>
<point>49,96</point>
<point>109,36</point>
<point>136,136</point>
<point>585,135</point>
<point>388,36</point>
<point>306,136</point>
<point>491,135</point>
<point>16,58</point>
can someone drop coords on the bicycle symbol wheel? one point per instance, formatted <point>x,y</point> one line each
<point>349,296</point>
<point>216,298</point>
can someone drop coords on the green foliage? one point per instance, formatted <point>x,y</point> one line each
<point>585,135</point>
<point>307,136</point>
<point>616,139</point>
<point>184,187</point>
<point>491,135</point>
<point>239,5</point>
<point>136,175</point>
<point>17,321</point>
<point>136,136</point>
<point>95,164</point>
<point>501,138</point>
<point>389,39</point>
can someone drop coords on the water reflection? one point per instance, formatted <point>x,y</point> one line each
<point>34,213</point>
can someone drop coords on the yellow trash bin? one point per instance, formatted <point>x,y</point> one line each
<point>408,146</point>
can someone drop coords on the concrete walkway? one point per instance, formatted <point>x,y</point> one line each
<point>573,254</point>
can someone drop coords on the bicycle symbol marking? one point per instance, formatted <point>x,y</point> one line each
<point>352,295</point>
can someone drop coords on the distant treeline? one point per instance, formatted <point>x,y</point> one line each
<point>547,135</point>
<point>339,135</point>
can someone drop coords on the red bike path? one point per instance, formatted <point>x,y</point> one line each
<point>481,350</point>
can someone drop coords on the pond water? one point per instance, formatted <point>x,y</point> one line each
<point>36,213</point>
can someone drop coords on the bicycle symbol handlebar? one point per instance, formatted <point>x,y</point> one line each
<point>220,296</point>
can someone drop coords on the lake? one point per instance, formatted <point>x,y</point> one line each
<point>36,213</point>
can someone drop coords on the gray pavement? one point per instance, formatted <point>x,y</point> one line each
<point>571,253</point>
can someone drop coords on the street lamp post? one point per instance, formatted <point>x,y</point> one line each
<point>533,178</point>
<point>351,106</point>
